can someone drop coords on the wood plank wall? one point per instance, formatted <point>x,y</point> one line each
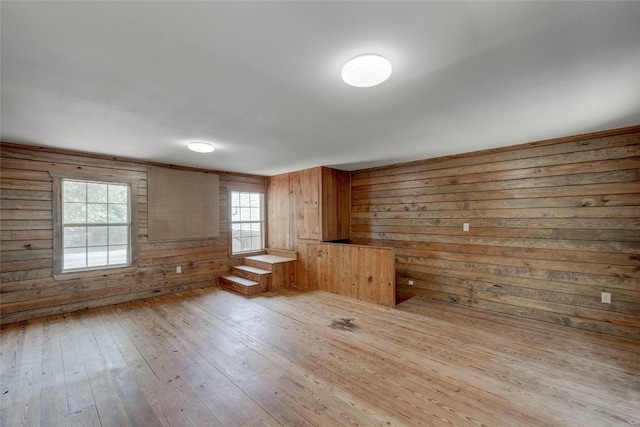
<point>305,207</point>
<point>336,204</point>
<point>365,273</point>
<point>312,204</point>
<point>280,221</point>
<point>552,225</point>
<point>28,288</point>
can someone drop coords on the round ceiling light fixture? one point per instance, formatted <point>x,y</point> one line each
<point>201,147</point>
<point>366,70</point>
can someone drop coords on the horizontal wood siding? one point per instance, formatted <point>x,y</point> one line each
<point>552,225</point>
<point>28,288</point>
<point>365,273</point>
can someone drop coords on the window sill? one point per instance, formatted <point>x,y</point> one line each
<point>94,273</point>
<point>245,254</point>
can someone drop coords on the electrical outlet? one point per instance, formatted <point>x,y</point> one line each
<point>465,226</point>
<point>606,297</point>
<point>179,269</point>
<point>410,282</point>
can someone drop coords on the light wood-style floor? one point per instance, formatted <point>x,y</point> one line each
<point>212,358</point>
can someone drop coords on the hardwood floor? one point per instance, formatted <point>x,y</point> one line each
<point>212,358</point>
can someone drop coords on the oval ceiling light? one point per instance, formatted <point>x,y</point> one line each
<point>200,147</point>
<point>366,70</point>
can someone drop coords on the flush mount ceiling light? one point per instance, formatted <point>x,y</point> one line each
<point>200,147</point>
<point>366,70</point>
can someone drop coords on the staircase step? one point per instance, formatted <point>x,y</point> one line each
<point>253,270</point>
<point>282,268</point>
<point>259,275</point>
<point>240,285</point>
<point>283,253</point>
<point>266,262</point>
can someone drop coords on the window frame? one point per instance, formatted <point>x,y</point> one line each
<point>58,228</point>
<point>263,221</point>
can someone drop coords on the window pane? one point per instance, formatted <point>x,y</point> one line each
<point>256,243</point>
<point>97,213</point>
<point>118,194</point>
<point>96,193</point>
<point>118,235</point>
<point>118,255</point>
<point>255,214</point>
<point>74,258</point>
<point>255,199</point>
<point>97,256</point>
<point>244,199</point>
<point>236,246</point>
<point>118,213</point>
<point>97,236</point>
<point>235,214</point>
<point>74,237</point>
<point>74,191</point>
<point>74,213</point>
<point>245,214</point>
<point>246,243</point>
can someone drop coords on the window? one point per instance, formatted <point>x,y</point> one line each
<point>247,222</point>
<point>96,225</point>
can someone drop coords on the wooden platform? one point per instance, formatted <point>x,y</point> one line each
<point>213,358</point>
<point>269,259</point>
<point>261,273</point>
<point>240,285</point>
<point>282,269</point>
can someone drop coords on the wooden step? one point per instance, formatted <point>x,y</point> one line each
<point>283,253</point>
<point>263,277</point>
<point>239,285</point>
<point>283,269</point>
<point>266,262</point>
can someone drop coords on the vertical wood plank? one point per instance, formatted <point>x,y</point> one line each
<point>27,386</point>
<point>336,204</point>
<point>279,220</point>
<point>55,403</point>
<point>365,273</point>
<point>306,192</point>
<point>11,352</point>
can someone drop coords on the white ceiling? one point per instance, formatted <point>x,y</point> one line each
<point>261,80</point>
